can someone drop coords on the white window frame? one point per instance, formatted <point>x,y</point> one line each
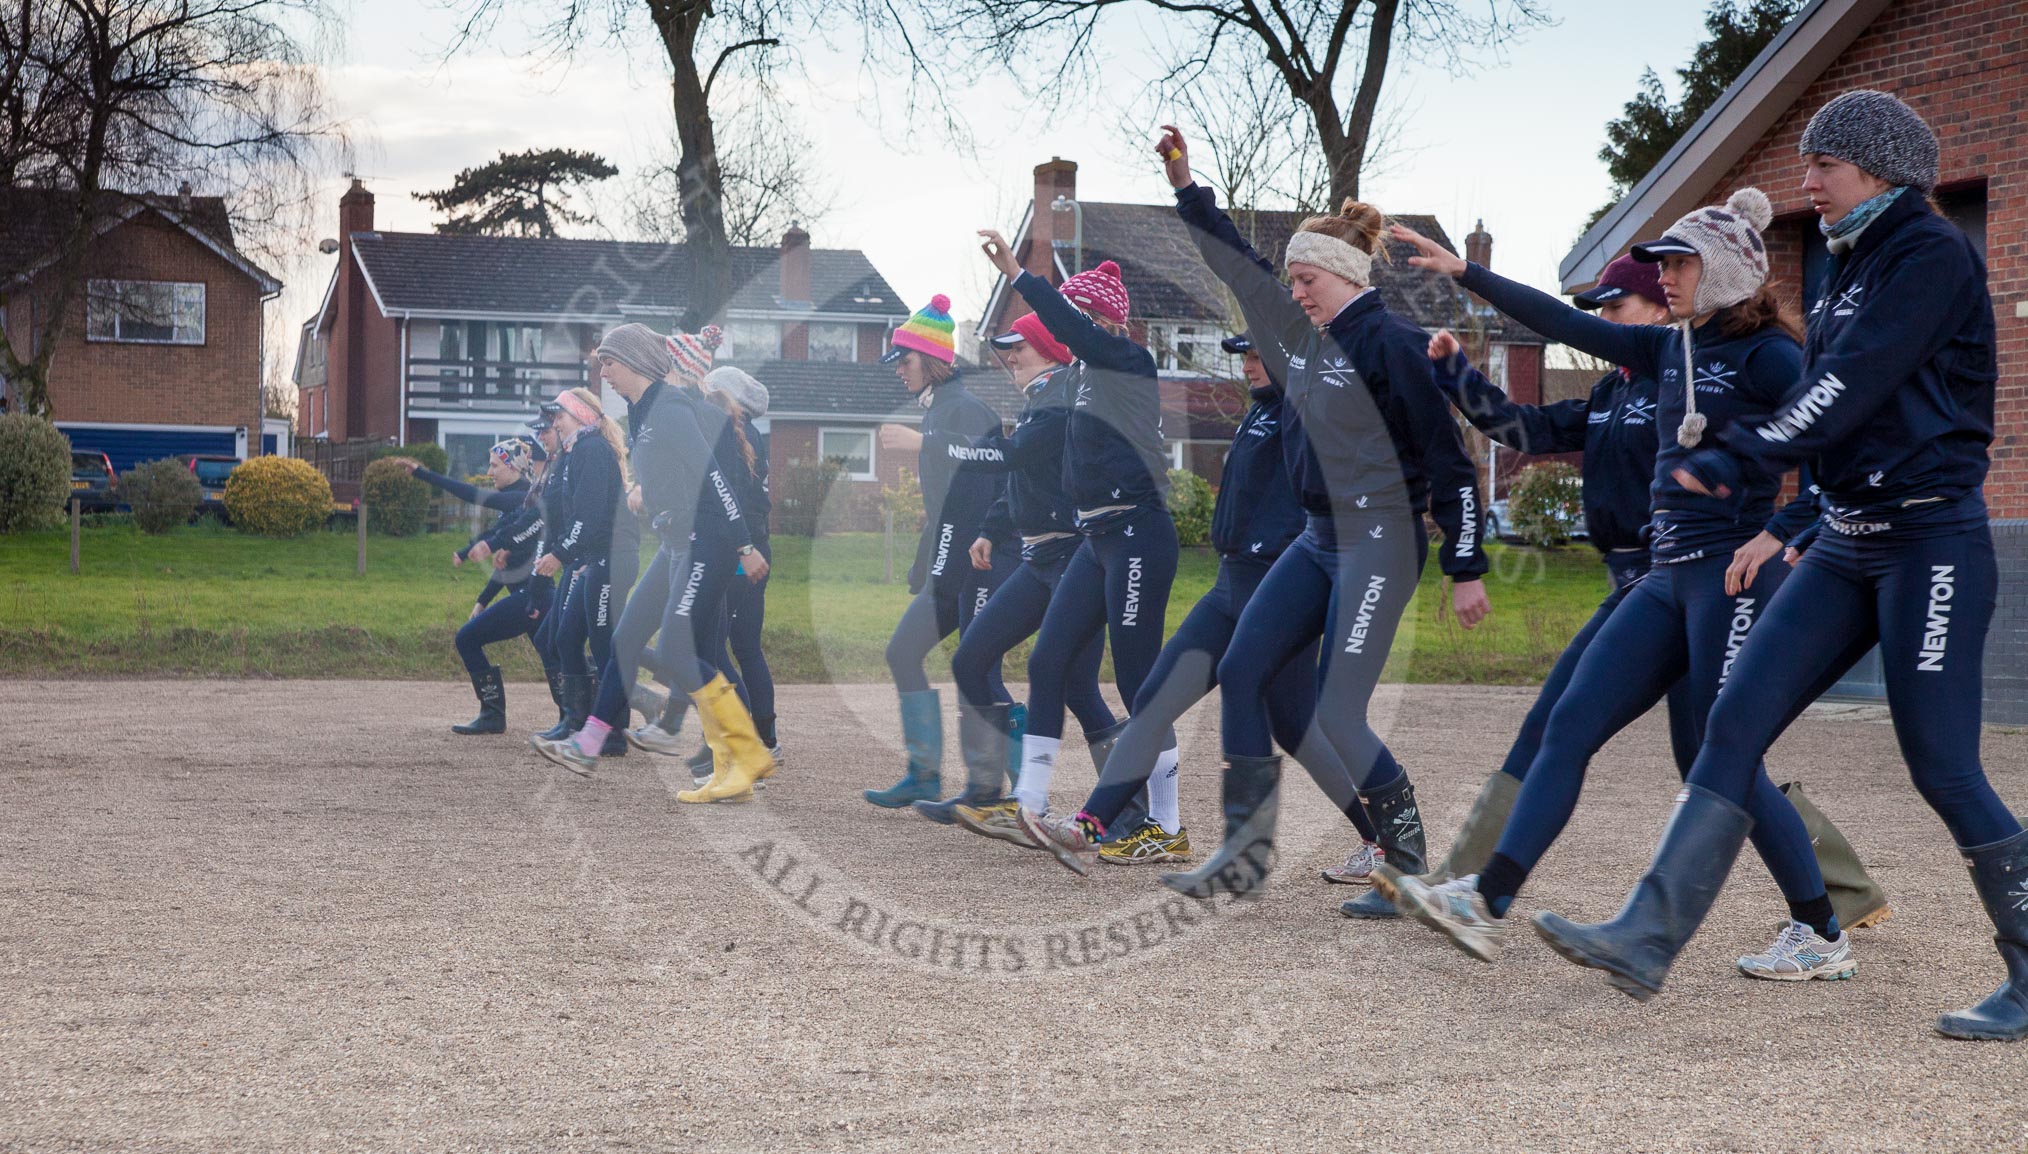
<point>1176,454</point>
<point>851,342</point>
<point>872,472</point>
<point>736,331</point>
<point>100,294</point>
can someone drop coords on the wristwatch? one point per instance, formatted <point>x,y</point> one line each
<point>745,550</point>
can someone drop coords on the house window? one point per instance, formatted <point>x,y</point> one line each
<point>1175,454</point>
<point>851,448</point>
<point>751,341</point>
<point>1192,349</point>
<point>834,342</point>
<point>145,312</point>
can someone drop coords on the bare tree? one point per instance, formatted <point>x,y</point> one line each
<point>1331,57</point>
<point>107,97</point>
<point>706,42</point>
<point>768,175</point>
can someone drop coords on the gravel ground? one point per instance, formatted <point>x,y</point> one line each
<point>303,916</point>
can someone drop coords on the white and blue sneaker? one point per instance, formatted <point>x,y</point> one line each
<point>1455,910</point>
<point>1799,954</point>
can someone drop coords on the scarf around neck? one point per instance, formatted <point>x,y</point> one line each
<point>1840,237</point>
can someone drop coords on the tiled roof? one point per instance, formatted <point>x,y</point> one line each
<point>33,222</point>
<point>428,273</point>
<point>862,391</point>
<point>1169,281</point>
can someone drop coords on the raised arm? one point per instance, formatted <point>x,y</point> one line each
<point>1534,429</point>
<point>498,500</point>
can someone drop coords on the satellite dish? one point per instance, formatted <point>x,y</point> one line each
<point>327,246</point>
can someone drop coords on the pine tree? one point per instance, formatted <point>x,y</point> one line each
<point>1649,126</point>
<point>520,194</point>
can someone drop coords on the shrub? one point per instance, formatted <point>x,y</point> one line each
<point>1544,502</point>
<point>163,494</point>
<point>904,500</point>
<point>1190,503</point>
<point>396,503</point>
<point>277,497</point>
<point>34,473</point>
<point>800,492</point>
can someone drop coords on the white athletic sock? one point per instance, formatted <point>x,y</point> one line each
<point>1038,762</point>
<point>1162,792</point>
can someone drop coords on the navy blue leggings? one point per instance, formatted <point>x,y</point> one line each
<point>1623,569</point>
<point>1187,670</point>
<point>680,597</point>
<point>506,618</point>
<point>740,657</point>
<point>1341,602</point>
<point>1928,603</point>
<point>1675,624</point>
<point>946,605</point>
<point>1116,586</point>
<point>1011,616</point>
<point>586,620</point>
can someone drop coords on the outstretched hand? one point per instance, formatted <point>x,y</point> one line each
<point>1175,156</point>
<point>1000,253</point>
<point>1429,254</point>
<point>1444,345</point>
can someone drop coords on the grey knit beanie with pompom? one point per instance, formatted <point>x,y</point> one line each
<point>1726,238</point>
<point>1877,132</point>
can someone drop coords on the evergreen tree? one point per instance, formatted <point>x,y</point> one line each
<point>1649,126</point>
<point>520,194</point>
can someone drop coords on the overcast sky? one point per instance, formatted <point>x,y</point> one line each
<point>1514,142</point>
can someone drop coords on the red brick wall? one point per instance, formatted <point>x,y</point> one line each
<point>1963,64</point>
<point>216,383</point>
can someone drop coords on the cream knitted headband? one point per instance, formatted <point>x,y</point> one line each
<point>1332,255</point>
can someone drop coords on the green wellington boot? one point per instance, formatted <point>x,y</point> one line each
<point>1856,898</point>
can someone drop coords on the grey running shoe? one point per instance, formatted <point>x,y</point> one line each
<point>652,738</point>
<point>1455,910</point>
<point>1800,955</point>
<point>1358,869</point>
<point>566,754</point>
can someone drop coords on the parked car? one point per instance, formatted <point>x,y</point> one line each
<point>93,482</point>
<point>211,473</point>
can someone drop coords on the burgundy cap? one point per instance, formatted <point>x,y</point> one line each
<point>1625,276</point>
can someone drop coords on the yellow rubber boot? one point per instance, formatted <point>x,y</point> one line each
<point>740,757</point>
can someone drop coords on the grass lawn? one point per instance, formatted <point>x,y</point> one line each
<point>210,602</point>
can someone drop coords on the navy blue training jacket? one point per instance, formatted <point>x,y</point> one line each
<point>1257,513</point>
<point>684,491</point>
<point>1736,378</point>
<point>954,499</point>
<point>515,532</point>
<point>591,498</point>
<point>1365,429</point>
<point>1033,502</point>
<point>1894,399</point>
<point>1112,451</point>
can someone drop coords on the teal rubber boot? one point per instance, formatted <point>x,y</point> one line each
<point>922,732</point>
<point>1017,728</point>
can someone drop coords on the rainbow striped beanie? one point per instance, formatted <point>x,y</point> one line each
<point>930,331</point>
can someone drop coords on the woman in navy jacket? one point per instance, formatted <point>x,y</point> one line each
<point>1893,408</point>
<point>1714,568</point>
<point>1369,444</point>
<point>1116,476</point>
<point>508,547</point>
<point>948,590</point>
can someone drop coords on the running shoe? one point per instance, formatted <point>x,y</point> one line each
<point>1799,954</point>
<point>1001,820</point>
<point>652,738</point>
<point>1147,846</point>
<point>566,754</point>
<point>1455,910</point>
<point>1070,840</point>
<point>1358,869</point>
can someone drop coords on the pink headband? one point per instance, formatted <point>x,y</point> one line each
<point>573,404</point>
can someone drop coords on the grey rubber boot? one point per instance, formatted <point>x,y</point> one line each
<point>1252,796</point>
<point>1636,948</point>
<point>2000,874</point>
<point>982,741</point>
<point>1856,898</point>
<point>1469,852</point>
<point>1135,814</point>
<point>492,704</point>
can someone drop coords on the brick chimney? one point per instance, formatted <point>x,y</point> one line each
<point>1479,246</point>
<point>795,266</point>
<point>346,356</point>
<point>355,211</point>
<point>1056,178</point>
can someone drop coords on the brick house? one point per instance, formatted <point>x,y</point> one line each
<point>424,337</point>
<point>1963,64</point>
<point>1181,311</point>
<point>164,348</point>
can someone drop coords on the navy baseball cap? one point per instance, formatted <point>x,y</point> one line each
<point>1625,276</point>
<point>1239,343</point>
<point>1008,340</point>
<point>544,414</point>
<point>1653,251</point>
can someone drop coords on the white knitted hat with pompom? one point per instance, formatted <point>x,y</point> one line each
<point>1727,239</point>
